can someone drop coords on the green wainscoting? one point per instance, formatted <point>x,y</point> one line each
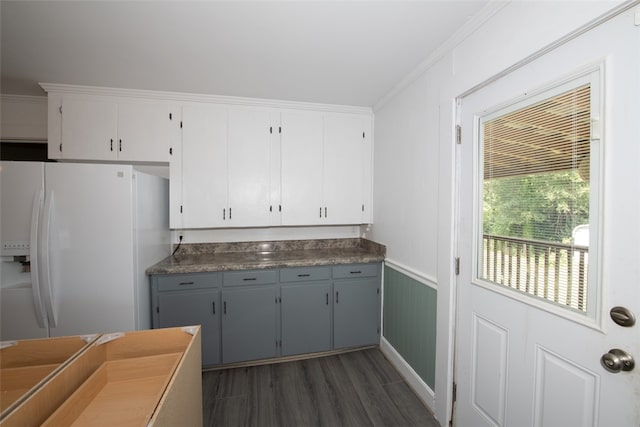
<point>410,322</point>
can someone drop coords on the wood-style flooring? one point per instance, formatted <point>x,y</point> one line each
<point>358,388</point>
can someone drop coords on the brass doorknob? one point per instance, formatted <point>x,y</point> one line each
<point>617,360</point>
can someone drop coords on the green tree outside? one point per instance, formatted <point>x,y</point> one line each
<point>539,206</point>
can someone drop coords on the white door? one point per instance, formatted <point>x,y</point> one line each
<point>89,128</point>
<point>204,166</point>
<point>175,167</point>
<point>143,131</point>
<point>249,163</point>
<point>344,148</point>
<point>88,223</point>
<point>521,358</point>
<point>275,199</point>
<point>301,168</point>
<point>22,314</point>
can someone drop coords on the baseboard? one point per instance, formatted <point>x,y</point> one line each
<point>284,359</point>
<point>422,390</point>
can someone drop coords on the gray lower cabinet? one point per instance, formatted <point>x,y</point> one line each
<point>249,323</point>
<point>260,314</point>
<point>306,318</point>
<point>356,305</point>
<point>190,299</point>
<point>199,307</point>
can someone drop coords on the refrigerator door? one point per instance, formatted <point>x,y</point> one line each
<point>90,248</point>
<point>18,314</point>
<point>22,314</point>
<point>19,183</point>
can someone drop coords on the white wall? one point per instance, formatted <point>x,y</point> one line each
<point>414,173</point>
<point>406,175</point>
<point>267,234</point>
<point>23,118</point>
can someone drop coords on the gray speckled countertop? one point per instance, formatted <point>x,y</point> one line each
<point>206,257</point>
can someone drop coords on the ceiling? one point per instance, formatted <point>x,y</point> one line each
<point>336,52</point>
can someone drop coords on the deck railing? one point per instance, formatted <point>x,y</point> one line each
<point>553,271</point>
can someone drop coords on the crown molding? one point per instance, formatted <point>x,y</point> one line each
<point>193,97</point>
<point>471,26</point>
<point>23,99</point>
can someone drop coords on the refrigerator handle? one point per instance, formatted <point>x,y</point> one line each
<point>47,285</point>
<point>33,255</point>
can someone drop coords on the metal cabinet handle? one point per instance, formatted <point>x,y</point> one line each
<point>186,283</point>
<point>355,272</point>
<point>214,307</point>
<point>111,144</point>
<point>247,279</point>
<point>327,298</point>
<point>337,293</point>
<point>304,275</point>
<point>120,144</point>
<point>224,307</point>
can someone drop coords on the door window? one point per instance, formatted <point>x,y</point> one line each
<point>537,194</point>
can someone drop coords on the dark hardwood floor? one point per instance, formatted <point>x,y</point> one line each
<point>359,388</point>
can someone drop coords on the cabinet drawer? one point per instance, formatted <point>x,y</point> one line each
<point>175,282</point>
<point>355,270</point>
<point>304,274</point>
<point>250,277</point>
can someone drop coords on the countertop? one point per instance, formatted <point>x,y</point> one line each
<point>209,257</point>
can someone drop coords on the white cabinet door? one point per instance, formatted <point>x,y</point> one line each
<point>108,128</point>
<point>204,166</point>
<point>301,168</point>
<point>367,172</point>
<point>275,204</point>
<point>249,167</point>
<point>175,167</point>
<point>143,131</point>
<point>89,128</point>
<point>344,143</point>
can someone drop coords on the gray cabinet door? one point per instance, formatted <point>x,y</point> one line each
<point>356,312</point>
<point>306,318</point>
<point>197,307</point>
<point>249,323</point>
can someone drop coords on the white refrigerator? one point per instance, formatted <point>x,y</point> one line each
<point>76,240</point>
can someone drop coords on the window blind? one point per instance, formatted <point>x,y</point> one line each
<point>535,162</point>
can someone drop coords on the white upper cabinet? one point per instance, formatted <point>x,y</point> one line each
<point>226,164</point>
<point>301,168</point>
<point>143,131</point>
<point>175,168</point>
<point>345,155</point>
<point>203,201</point>
<point>86,127</point>
<point>249,167</point>
<point>233,162</point>
<point>325,168</point>
<point>89,128</point>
